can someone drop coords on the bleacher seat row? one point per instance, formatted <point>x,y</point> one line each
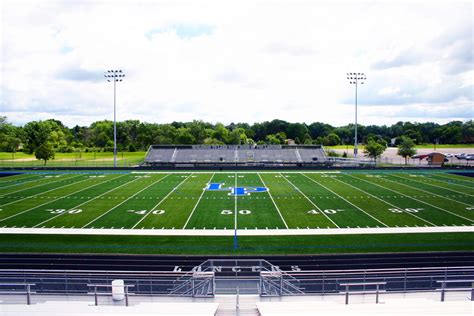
<point>235,154</point>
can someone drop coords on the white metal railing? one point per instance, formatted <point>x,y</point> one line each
<point>238,273</point>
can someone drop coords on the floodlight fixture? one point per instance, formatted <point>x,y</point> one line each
<point>356,79</point>
<point>116,76</point>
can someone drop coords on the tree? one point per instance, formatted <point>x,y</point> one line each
<point>212,141</point>
<point>37,133</point>
<point>184,136</point>
<point>297,130</point>
<point>319,129</point>
<point>374,149</point>
<point>221,133</point>
<point>406,148</point>
<point>237,137</point>
<point>273,140</point>
<point>11,144</point>
<point>331,140</point>
<point>44,152</point>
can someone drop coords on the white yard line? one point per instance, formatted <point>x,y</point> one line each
<point>239,172</point>
<point>22,182</point>
<point>433,185</point>
<point>443,175</point>
<point>384,201</point>
<point>132,196</point>
<point>241,232</point>
<point>35,186</point>
<point>154,207</point>
<point>373,217</point>
<point>446,180</point>
<point>271,197</point>
<point>53,200</point>
<point>11,178</point>
<point>195,206</point>
<point>410,197</point>
<point>28,197</point>
<point>320,210</point>
<point>95,198</point>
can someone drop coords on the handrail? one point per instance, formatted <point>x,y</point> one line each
<point>377,284</point>
<point>444,289</point>
<point>125,286</point>
<point>302,272</point>
<point>27,289</point>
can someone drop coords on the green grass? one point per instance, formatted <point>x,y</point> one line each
<point>247,245</point>
<point>295,200</point>
<point>421,146</point>
<point>82,159</point>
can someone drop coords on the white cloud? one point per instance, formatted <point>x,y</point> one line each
<point>235,61</point>
<point>389,91</point>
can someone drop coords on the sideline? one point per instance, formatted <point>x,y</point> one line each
<point>240,232</point>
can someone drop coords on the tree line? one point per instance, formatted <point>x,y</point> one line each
<point>132,135</point>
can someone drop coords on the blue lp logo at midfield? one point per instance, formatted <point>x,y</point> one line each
<point>237,191</point>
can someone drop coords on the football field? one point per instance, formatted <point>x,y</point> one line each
<point>250,201</point>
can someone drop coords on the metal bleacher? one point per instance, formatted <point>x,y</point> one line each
<point>235,154</point>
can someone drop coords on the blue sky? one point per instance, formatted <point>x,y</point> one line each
<point>237,61</point>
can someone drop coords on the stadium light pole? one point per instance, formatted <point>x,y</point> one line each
<point>115,76</point>
<point>356,78</point>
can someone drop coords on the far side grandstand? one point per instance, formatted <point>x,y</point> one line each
<point>241,155</point>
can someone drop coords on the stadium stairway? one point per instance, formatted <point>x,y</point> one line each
<point>247,305</point>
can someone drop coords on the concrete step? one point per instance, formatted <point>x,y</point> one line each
<point>228,303</point>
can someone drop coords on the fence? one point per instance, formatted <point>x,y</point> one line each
<point>249,276</point>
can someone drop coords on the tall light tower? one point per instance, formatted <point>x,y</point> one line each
<point>115,76</point>
<point>356,78</point>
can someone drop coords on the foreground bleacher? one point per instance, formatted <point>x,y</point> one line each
<point>391,304</point>
<point>235,154</point>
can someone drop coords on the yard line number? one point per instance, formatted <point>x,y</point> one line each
<point>230,212</point>
<point>408,210</point>
<point>143,212</point>
<point>63,211</point>
<point>328,211</point>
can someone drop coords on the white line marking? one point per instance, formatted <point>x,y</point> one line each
<point>444,176</point>
<point>384,201</point>
<point>236,172</point>
<point>65,196</point>
<point>310,201</point>
<point>154,207</point>
<point>20,183</point>
<point>195,205</point>
<point>271,197</point>
<point>431,192</point>
<point>30,196</point>
<point>19,178</point>
<point>230,232</point>
<point>75,206</point>
<point>415,198</point>
<point>345,200</point>
<point>153,183</point>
